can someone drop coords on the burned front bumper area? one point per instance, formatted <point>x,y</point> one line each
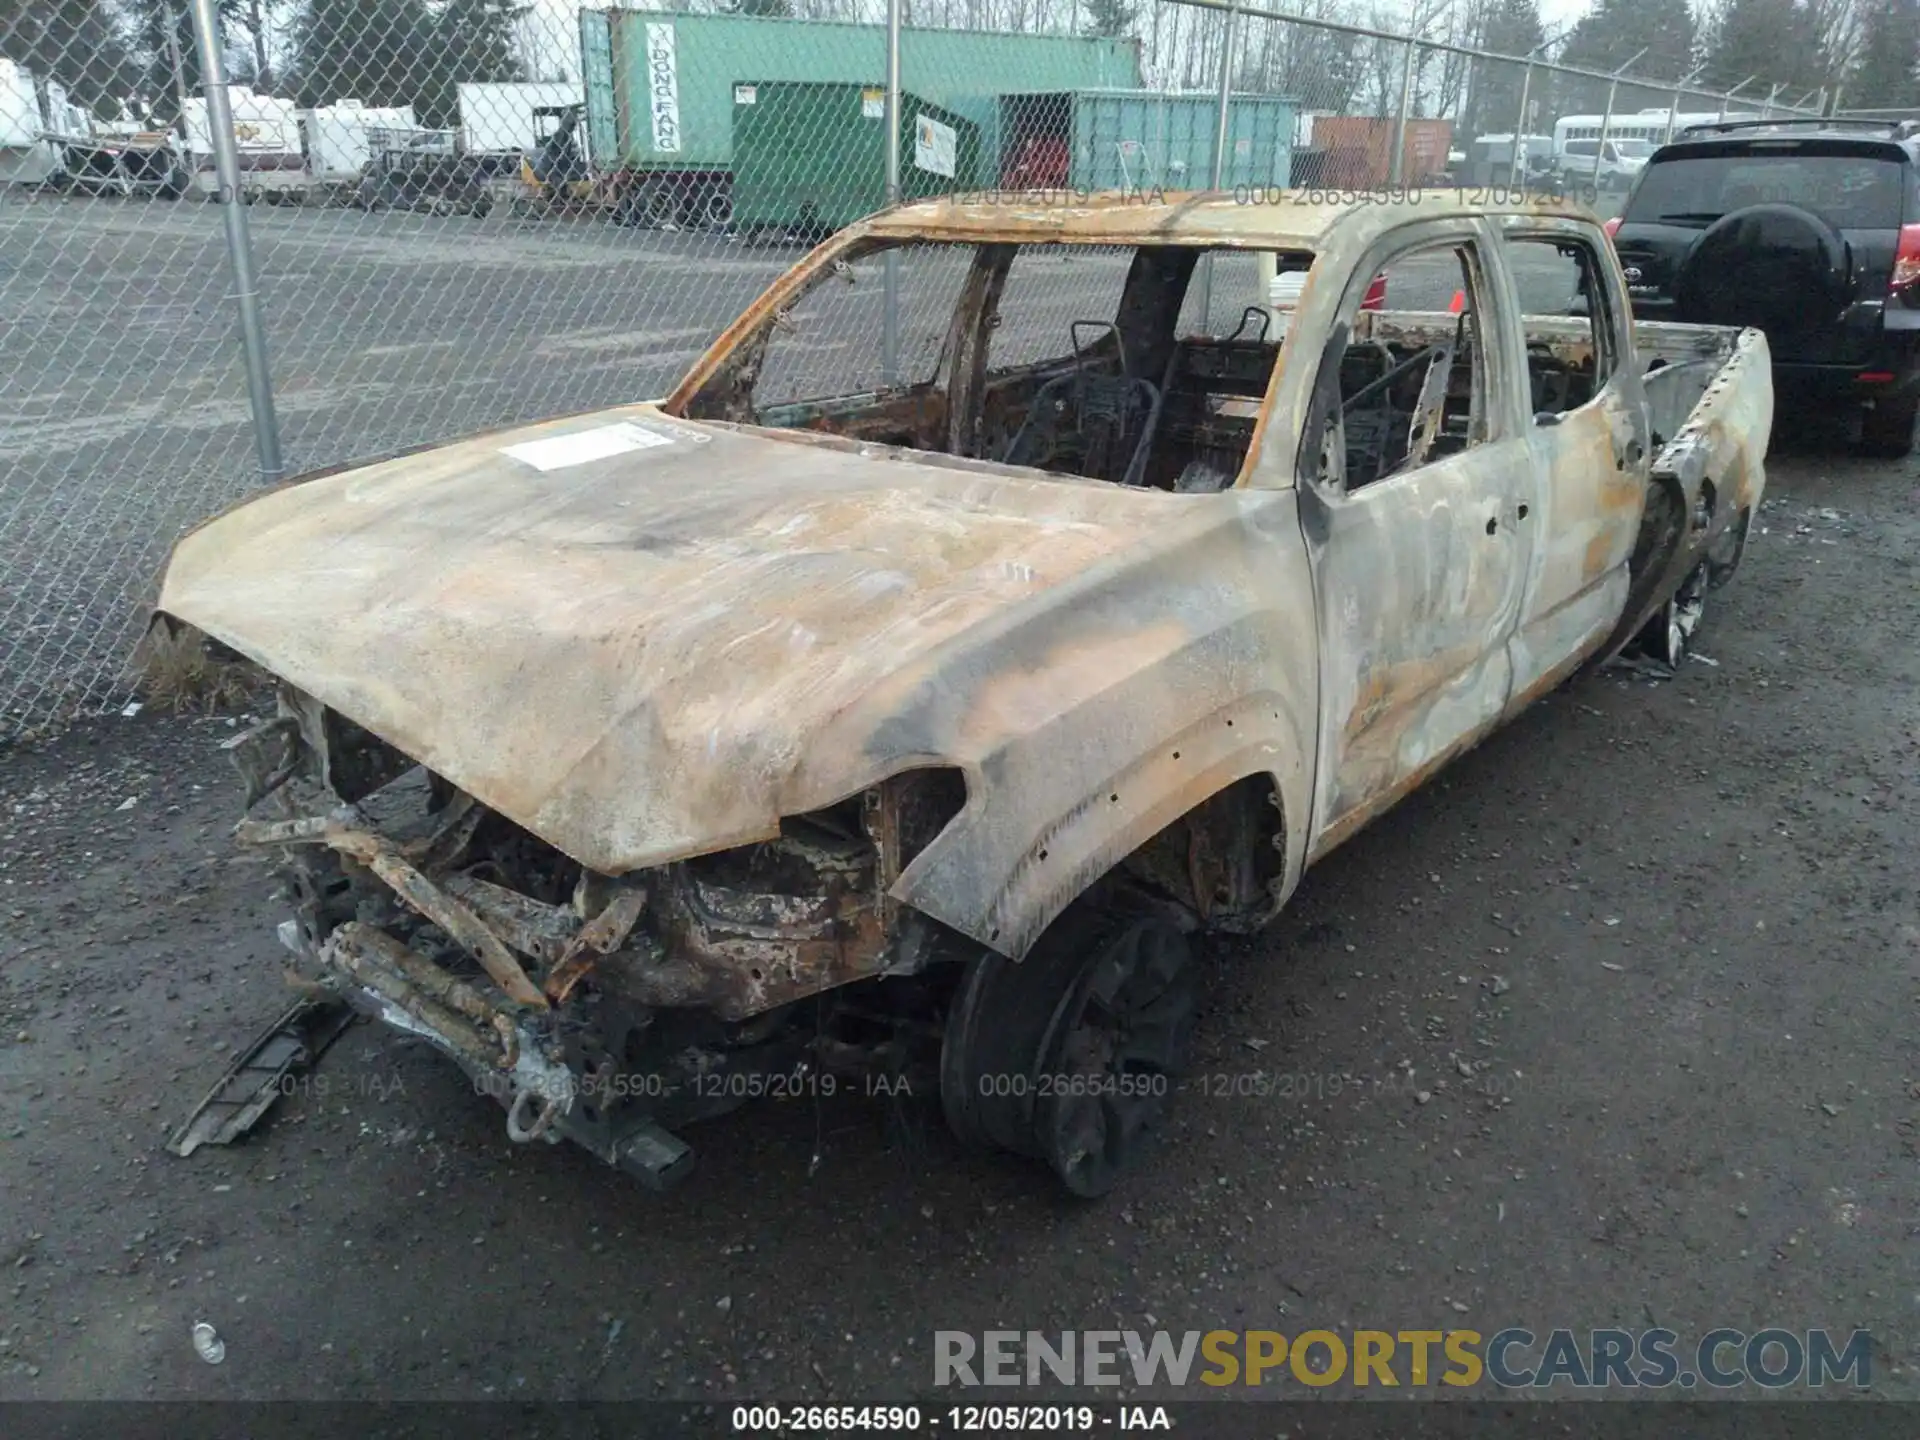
<point>598,1009</point>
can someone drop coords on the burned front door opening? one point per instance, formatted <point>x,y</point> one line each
<point>1084,360</point>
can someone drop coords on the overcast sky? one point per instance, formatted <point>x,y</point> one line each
<point>1556,14</point>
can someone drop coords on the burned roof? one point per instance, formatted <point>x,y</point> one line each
<point>1248,216</point>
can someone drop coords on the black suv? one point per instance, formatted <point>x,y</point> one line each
<point>1806,229</point>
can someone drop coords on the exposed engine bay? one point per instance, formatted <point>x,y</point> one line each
<point>605,1010</point>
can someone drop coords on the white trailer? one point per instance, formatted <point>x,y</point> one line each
<point>27,156</point>
<point>334,137</point>
<point>266,132</point>
<point>503,117</point>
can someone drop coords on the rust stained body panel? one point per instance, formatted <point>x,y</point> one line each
<point>1420,577</point>
<point>1417,598</point>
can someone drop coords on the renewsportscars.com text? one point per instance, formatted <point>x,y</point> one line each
<point>1512,1359</point>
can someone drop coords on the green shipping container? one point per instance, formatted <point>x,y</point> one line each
<point>659,84</point>
<point>813,157</point>
<point>1142,140</point>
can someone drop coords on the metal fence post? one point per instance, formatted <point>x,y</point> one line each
<point>1516,175</point>
<point>1226,95</point>
<point>1219,147</point>
<point>1606,117</point>
<point>179,74</point>
<point>1673,110</point>
<point>1397,162</point>
<point>226,164</point>
<point>890,280</point>
<point>1732,94</point>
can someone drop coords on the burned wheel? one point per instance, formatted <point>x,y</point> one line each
<point>1672,627</point>
<point>1726,553</point>
<point>1070,1056</point>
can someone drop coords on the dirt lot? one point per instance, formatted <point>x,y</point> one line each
<point>1675,918</point>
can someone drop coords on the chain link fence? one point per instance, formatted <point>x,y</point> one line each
<point>464,214</point>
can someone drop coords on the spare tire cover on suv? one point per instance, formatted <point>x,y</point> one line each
<point>1776,267</point>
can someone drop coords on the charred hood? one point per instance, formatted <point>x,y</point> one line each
<point>642,638</point>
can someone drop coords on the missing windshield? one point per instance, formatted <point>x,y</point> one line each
<point>1106,362</point>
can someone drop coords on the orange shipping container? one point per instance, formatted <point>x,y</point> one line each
<point>1426,150</point>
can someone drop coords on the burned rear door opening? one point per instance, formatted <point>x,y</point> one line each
<point>917,710</point>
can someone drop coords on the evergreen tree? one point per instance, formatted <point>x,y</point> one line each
<point>1508,27</point>
<point>76,42</point>
<point>1109,19</point>
<point>379,52</point>
<point>1889,52</point>
<point>1612,33</point>
<point>1778,40</point>
<point>472,41</point>
<point>162,29</point>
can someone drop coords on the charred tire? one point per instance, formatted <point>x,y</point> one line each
<point>1670,631</point>
<point>1070,1056</point>
<point>1729,550</point>
<point>1886,431</point>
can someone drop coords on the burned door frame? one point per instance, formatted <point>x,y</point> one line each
<point>1590,466</point>
<point>1418,576</point>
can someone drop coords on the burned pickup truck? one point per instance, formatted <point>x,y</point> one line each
<point>911,688</point>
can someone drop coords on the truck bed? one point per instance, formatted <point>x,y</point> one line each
<point>1677,363</point>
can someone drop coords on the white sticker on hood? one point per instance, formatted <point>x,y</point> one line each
<point>559,451</point>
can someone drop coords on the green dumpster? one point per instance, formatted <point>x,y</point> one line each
<point>810,157</point>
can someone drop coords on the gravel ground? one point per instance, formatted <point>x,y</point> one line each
<point>1666,925</point>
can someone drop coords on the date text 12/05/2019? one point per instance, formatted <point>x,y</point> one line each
<point>1494,195</point>
<point>956,1419</point>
